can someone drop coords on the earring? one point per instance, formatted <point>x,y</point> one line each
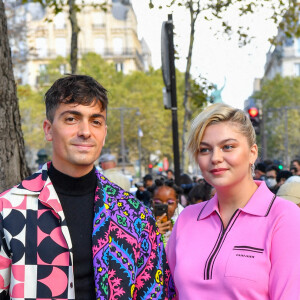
<point>252,170</point>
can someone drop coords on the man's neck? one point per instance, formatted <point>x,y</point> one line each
<point>66,184</point>
<point>71,170</point>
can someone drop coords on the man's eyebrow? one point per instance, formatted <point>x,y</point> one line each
<point>77,113</point>
<point>72,112</point>
<point>221,142</point>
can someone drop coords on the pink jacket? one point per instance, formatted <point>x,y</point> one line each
<point>256,257</point>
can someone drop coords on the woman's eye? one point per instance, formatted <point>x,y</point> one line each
<point>227,147</point>
<point>203,150</point>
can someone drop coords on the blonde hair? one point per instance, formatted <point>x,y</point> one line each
<point>215,114</point>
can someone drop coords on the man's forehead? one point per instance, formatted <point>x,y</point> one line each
<point>94,107</point>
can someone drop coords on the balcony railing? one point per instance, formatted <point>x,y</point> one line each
<point>106,53</point>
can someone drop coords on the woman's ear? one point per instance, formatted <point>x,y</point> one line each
<point>253,154</point>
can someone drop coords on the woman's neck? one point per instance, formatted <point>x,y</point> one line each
<point>231,199</point>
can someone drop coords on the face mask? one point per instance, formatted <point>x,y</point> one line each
<point>271,182</point>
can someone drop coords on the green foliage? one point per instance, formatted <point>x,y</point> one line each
<point>278,95</point>
<point>133,92</point>
<point>32,109</point>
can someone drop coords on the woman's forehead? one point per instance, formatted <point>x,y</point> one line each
<point>164,191</point>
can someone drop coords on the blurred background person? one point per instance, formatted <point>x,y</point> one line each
<point>271,176</point>
<point>296,164</point>
<point>186,183</point>
<point>168,193</point>
<point>260,171</point>
<point>143,194</point>
<point>108,164</point>
<point>201,191</point>
<point>170,175</point>
<point>282,176</point>
<point>148,181</point>
<point>290,191</point>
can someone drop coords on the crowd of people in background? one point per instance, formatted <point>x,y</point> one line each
<point>284,183</point>
<point>194,189</point>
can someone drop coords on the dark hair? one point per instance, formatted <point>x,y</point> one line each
<point>169,183</point>
<point>261,167</point>
<point>147,177</point>
<point>297,160</point>
<point>200,191</point>
<point>272,167</point>
<point>283,174</point>
<point>79,89</point>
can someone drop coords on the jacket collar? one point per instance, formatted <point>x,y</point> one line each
<point>259,204</point>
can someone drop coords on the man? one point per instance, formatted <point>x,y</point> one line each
<point>66,231</point>
<point>296,164</point>
<point>271,175</point>
<point>260,171</point>
<point>170,174</point>
<point>108,164</point>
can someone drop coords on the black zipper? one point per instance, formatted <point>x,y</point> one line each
<point>212,257</point>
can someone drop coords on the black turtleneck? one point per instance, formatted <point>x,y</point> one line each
<point>77,199</point>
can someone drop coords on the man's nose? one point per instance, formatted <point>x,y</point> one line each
<point>84,129</point>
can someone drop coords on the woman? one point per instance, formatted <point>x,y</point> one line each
<point>166,192</point>
<point>244,243</point>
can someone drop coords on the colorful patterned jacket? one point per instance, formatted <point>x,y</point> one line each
<point>36,250</point>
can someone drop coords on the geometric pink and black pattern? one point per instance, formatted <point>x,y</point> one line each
<point>36,250</point>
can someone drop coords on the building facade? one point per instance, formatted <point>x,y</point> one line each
<point>283,59</point>
<point>111,34</point>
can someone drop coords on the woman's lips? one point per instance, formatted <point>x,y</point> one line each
<point>218,171</point>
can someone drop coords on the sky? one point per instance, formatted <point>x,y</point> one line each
<point>218,59</point>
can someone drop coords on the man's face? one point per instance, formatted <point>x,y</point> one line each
<point>77,134</point>
<point>297,166</point>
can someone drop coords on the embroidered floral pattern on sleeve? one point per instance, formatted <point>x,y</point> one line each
<point>128,253</point>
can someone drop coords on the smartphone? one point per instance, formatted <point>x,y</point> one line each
<point>159,210</point>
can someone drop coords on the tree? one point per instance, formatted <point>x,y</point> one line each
<point>133,92</point>
<point>284,14</point>
<point>13,167</point>
<point>278,97</point>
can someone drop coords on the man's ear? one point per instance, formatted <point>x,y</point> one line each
<point>47,126</point>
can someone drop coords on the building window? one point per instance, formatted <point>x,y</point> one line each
<point>99,46</point>
<point>118,45</point>
<point>41,47</point>
<point>97,20</point>
<point>297,69</point>
<point>61,47</point>
<point>59,21</point>
<point>119,67</point>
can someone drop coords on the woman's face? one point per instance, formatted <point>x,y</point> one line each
<point>166,195</point>
<point>225,156</point>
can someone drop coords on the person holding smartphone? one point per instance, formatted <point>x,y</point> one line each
<point>166,206</point>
